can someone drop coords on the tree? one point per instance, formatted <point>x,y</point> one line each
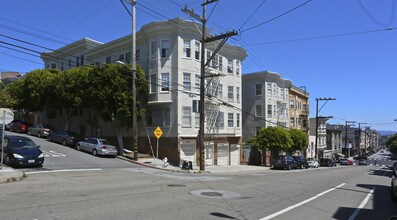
<point>6,101</point>
<point>299,140</point>
<point>274,139</point>
<point>391,144</point>
<point>111,90</point>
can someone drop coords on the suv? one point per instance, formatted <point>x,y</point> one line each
<point>284,162</point>
<point>327,162</point>
<point>301,162</point>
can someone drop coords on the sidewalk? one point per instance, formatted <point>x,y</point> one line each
<point>8,174</point>
<point>159,164</point>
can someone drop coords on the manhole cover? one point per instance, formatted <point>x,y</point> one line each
<point>211,194</point>
<point>176,185</point>
<point>216,194</point>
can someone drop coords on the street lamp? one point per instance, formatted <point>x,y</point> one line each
<point>317,111</point>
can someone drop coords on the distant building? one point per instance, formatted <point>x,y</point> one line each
<point>8,77</point>
<point>321,135</point>
<point>299,108</point>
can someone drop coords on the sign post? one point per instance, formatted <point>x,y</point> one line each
<point>158,132</point>
<point>6,116</point>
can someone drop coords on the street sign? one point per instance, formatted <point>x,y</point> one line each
<point>158,132</point>
<point>6,115</point>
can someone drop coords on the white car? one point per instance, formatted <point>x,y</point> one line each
<point>97,146</point>
<point>312,162</point>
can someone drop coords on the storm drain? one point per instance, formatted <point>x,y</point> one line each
<point>176,185</point>
<point>209,193</point>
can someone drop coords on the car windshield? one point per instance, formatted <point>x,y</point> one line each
<point>21,143</point>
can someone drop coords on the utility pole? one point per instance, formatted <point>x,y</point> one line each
<point>348,150</point>
<point>134,100</point>
<point>317,111</point>
<point>359,137</point>
<point>204,64</point>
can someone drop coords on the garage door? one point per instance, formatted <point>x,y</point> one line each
<point>188,151</point>
<point>209,153</point>
<point>223,157</point>
<point>234,154</point>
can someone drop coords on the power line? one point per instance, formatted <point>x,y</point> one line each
<point>251,15</point>
<point>321,37</point>
<point>19,57</point>
<point>392,15</point>
<point>279,16</point>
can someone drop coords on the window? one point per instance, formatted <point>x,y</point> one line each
<point>230,95</point>
<point>214,62</point>
<point>292,122</point>
<point>197,119</point>
<point>197,50</point>
<point>128,58</point>
<point>77,61</point>
<point>304,108</point>
<point>69,62</point>
<point>238,120</point>
<point>197,83</point>
<point>196,106</point>
<point>230,120</point>
<point>238,94</point>
<point>208,55</point>
<point>238,67</point>
<point>137,55</point>
<point>62,66</point>
<point>186,82</point>
<point>257,129</point>
<point>108,60</point>
<point>299,105</point>
<point>220,63</point>
<point>220,120</point>
<point>220,91</point>
<point>159,117</point>
<point>274,110</point>
<point>186,48</point>
<point>165,48</point>
<point>153,50</point>
<point>165,82</point>
<point>82,60</point>
<point>121,58</point>
<point>153,83</point>
<point>269,89</point>
<point>230,66</point>
<point>258,89</point>
<point>292,103</point>
<point>269,110</point>
<point>186,117</point>
<point>258,110</point>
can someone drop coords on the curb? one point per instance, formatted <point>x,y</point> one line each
<point>14,176</point>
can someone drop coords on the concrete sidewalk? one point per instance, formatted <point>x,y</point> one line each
<point>8,174</point>
<point>225,170</point>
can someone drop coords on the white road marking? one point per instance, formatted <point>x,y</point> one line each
<point>52,153</point>
<point>300,203</point>
<point>363,203</point>
<point>59,171</point>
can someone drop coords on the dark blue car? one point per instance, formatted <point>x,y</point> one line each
<point>22,151</point>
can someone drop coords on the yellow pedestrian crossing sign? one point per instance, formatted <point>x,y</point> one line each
<point>158,132</point>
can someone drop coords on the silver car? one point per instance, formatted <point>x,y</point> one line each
<point>97,146</point>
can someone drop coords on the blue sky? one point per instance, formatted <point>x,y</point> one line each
<point>335,48</point>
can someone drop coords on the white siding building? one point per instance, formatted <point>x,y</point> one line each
<point>169,53</point>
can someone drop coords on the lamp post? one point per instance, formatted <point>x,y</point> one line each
<point>317,111</point>
<point>348,150</point>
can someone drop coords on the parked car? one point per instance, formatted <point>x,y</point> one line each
<point>66,138</point>
<point>301,162</point>
<point>22,151</point>
<point>8,126</point>
<point>312,162</point>
<point>343,161</point>
<point>20,127</point>
<point>39,130</point>
<point>327,162</point>
<point>284,162</point>
<point>362,162</point>
<point>393,187</point>
<point>97,146</point>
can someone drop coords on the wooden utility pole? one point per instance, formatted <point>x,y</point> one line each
<point>204,64</point>
<point>134,100</point>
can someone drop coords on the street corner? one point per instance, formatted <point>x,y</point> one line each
<point>8,174</point>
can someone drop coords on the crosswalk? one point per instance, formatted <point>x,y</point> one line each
<point>52,153</point>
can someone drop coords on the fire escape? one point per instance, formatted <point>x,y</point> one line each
<point>212,102</point>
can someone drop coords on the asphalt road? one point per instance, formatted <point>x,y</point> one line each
<point>80,186</point>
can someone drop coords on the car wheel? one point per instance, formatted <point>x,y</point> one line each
<point>39,135</point>
<point>63,142</point>
<point>95,152</point>
<point>78,147</point>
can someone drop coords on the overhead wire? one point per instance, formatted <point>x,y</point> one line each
<point>252,14</point>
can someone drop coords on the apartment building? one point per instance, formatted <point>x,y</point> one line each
<point>169,52</point>
<point>299,108</point>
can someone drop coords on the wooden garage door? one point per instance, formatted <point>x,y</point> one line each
<point>209,153</point>
<point>223,154</point>
<point>188,151</point>
<point>234,154</point>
